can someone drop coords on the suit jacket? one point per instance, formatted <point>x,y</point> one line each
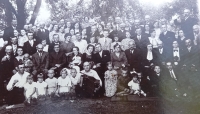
<point>40,63</point>
<point>181,54</point>
<point>118,61</point>
<point>106,44</point>
<point>134,59</point>
<point>161,57</point>
<point>146,62</point>
<point>57,58</point>
<point>142,44</point>
<point>29,49</point>
<point>43,35</point>
<point>167,39</point>
<point>104,59</point>
<point>121,35</point>
<point>191,57</point>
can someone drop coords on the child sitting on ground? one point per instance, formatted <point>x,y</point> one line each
<point>41,87</point>
<point>64,83</point>
<point>52,84</point>
<point>134,86</point>
<point>30,91</point>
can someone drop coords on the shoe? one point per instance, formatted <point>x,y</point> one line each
<point>9,107</point>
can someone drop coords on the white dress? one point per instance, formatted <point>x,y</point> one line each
<point>41,87</point>
<point>29,90</point>
<point>64,84</point>
<point>51,84</point>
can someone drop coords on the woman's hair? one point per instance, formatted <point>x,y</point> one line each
<point>110,63</point>
<point>117,45</point>
<point>90,46</point>
<point>67,34</point>
<point>76,48</point>
<point>63,70</point>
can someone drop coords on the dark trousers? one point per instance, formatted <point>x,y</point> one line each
<point>16,96</point>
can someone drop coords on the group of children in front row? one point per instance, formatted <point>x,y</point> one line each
<point>64,86</point>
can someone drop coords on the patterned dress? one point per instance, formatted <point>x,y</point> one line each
<point>110,82</point>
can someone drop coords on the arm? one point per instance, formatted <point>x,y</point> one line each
<point>47,61</point>
<point>11,84</point>
<point>34,90</point>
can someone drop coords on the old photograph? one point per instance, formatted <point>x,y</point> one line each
<point>99,57</point>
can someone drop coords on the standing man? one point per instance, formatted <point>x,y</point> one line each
<point>43,34</point>
<point>105,41</point>
<point>30,46</point>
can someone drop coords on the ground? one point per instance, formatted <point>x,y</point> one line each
<point>99,106</point>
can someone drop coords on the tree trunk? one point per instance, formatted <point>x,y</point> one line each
<point>21,17</point>
<point>36,11</point>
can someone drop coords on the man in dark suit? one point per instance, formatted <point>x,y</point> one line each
<point>40,61</point>
<point>166,37</point>
<point>54,42</point>
<point>57,60</point>
<point>121,33</point>
<point>93,33</point>
<point>42,34</point>
<point>9,31</point>
<point>30,46</point>
<point>191,58</point>
<point>13,42</point>
<point>140,39</point>
<point>6,68</point>
<point>187,23</point>
<point>133,57</point>
<point>101,58</point>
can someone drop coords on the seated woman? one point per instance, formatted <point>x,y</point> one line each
<point>75,57</point>
<point>67,46</point>
<point>88,56</point>
<point>118,58</point>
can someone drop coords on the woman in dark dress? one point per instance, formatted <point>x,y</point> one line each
<point>88,55</point>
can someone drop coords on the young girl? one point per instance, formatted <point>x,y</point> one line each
<point>110,80</point>
<point>64,83</point>
<point>52,83</point>
<point>30,90</point>
<point>41,87</point>
<point>134,86</point>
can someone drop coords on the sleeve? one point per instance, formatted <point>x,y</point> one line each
<point>47,62</point>
<point>125,61</point>
<point>96,76</point>
<point>10,84</point>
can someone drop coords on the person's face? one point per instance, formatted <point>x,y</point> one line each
<point>92,40</point>
<point>164,28</point>
<point>137,22</point>
<point>76,26</point>
<point>44,42</point>
<point>196,29</point>
<point>34,28</point>
<point>117,49</point>
<point>68,24</point>
<point>19,51</point>
<point>155,24</point>
<point>40,80</point>
<point>64,74</point>
<point>86,66</point>
<point>188,43</point>
<point>108,26</point>
<point>16,33</point>
<point>132,45</point>
<point>186,13</point>
<point>86,19</point>
<point>30,80</point>
<point>55,27</point>
<point>175,44</point>
<point>98,48</point>
<point>124,73</point>
<point>56,48</point>
<point>138,31</point>
<point>83,31</point>
<point>147,27</point>
<point>40,48</point>
<point>78,37</point>
<point>14,40</point>
<point>109,67</point>
<point>157,69</point>
<point>26,57</point>
<point>56,38</point>
<point>153,34</point>
<point>117,20</point>
<point>100,28</point>
<point>90,49</point>
<point>72,31</point>
<point>68,38</point>
<point>73,73</point>
<point>23,32</point>
<point>110,19</point>
<point>169,66</point>
<point>128,35</point>
<point>149,47</point>
<point>139,75</point>
<point>9,50</point>
<point>26,27</point>
<point>14,23</point>
<point>116,39</point>
<point>61,30</point>
<point>50,74</point>
<point>42,26</point>
<point>75,51</point>
<point>30,36</point>
<point>21,69</point>
<point>147,18</point>
<point>105,33</point>
<point>134,79</point>
<point>181,34</point>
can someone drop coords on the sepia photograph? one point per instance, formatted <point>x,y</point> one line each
<point>99,57</point>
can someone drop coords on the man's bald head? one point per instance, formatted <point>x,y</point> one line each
<point>40,48</point>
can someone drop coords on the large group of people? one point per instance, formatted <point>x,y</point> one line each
<point>95,58</point>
